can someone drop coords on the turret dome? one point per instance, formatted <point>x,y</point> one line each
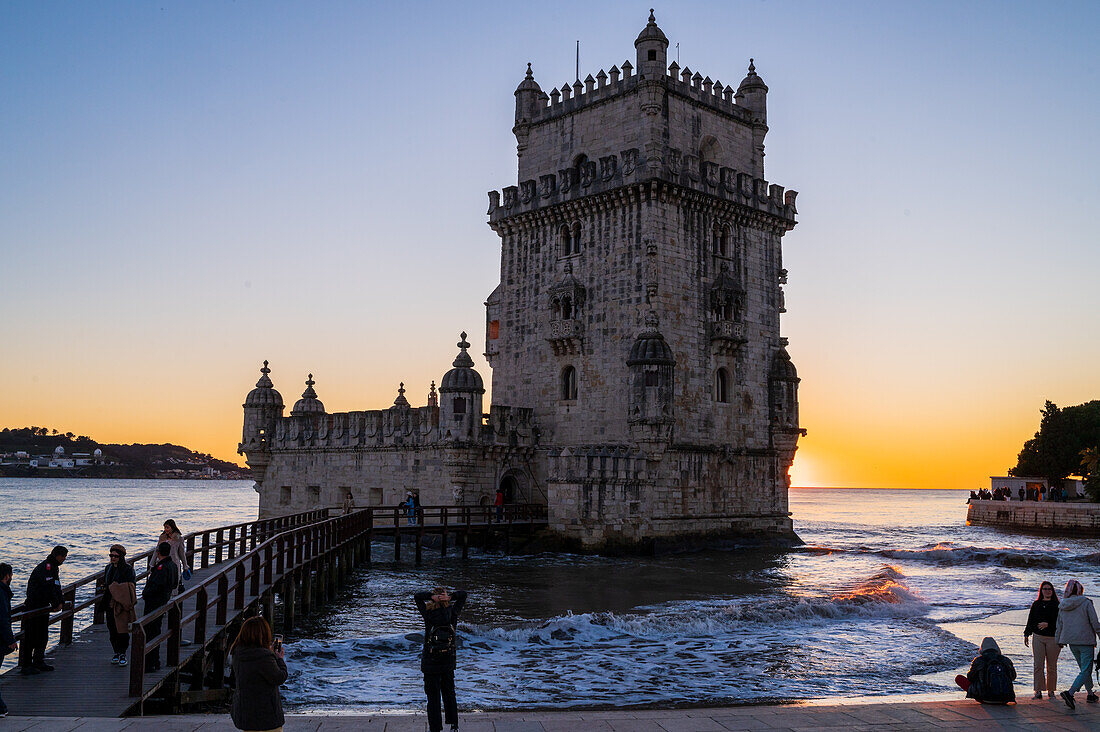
<point>651,32</point>
<point>264,395</point>
<point>782,367</point>
<point>529,83</point>
<point>309,404</point>
<point>462,377</point>
<point>752,80</point>
<point>650,347</point>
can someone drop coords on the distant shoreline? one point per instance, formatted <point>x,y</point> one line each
<point>104,474</point>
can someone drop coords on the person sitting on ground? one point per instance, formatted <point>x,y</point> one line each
<point>990,678</point>
<point>1078,628</point>
<point>259,669</point>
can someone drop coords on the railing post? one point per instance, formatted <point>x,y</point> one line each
<point>443,534</point>
<point>238,595</point>
<point>137,658</point>
<point>174,615</point>
<point>370,533</point>
<point>254,588</point>
<point>205,549</point>
<point>396,534</point>
<point>280,556</point>
<point>223,600</point>
<point>97,609</point>
<point>232,542</point>
<point>191,551</point>
<point>202,605</point>
<point>218,549</point>
<point>66,632</point>
<point>466,533</point>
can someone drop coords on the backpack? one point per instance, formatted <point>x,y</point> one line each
<point>440,641</point>
<point>996,683</point>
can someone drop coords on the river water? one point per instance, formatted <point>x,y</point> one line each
<point>890,596</point>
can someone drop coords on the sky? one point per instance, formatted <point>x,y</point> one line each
<point>189,188</point>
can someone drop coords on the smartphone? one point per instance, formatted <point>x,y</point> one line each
<point>278,643</point>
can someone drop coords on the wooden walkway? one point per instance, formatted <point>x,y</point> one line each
<point>238,571</point>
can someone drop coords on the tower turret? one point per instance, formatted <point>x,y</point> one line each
<point>309,405</point>
<point>652,48</point>
<point>262,408</point>
<point>752,94</point>
<point>529,97</point>
<point>461,392</point>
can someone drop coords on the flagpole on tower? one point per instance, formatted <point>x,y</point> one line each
<point>578,60</point>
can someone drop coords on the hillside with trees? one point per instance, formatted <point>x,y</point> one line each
<point>117,460</point>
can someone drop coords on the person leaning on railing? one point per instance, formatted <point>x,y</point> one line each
<point>43,591</point>
<point>7,637</point>
<point>258,672</point>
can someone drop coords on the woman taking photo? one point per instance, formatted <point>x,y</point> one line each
<point>119,602</point>
<point>440,611</point>
<point>258,670</point>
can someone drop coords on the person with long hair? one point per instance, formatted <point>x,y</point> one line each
<point>1078,628</point>
<point>259,669</point>
<point>172,535</point>
<point>1042,622</point>
<point>440,610</point>
<point>119,602</point>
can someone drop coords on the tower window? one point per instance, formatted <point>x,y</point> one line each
<point>566,241</point>
<point>652,55</point>
<point>722,386</point>
<point>459,405</point>
<point>494,329</point>
<point>652,378</point>
<point>566,309</point>
<point>569,383</point>
<point>576,238</point>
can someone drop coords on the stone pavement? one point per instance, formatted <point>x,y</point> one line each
<point>842,717</point>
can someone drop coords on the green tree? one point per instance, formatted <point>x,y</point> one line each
<point>1090,471</point>
<point>1055,451</point>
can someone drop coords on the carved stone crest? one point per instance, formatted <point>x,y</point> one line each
<point>609,165</point>
<point>630,160</point>
<point>527,191</point>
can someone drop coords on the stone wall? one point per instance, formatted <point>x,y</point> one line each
<point>1075,519</point>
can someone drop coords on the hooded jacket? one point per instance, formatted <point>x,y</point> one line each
<point>1077,622</point>
<point>990,652</point>
<point>258,673</point>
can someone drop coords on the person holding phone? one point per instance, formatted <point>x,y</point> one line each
<point>440,610</point>
<point>259,669</point>
<point>1042,621</point>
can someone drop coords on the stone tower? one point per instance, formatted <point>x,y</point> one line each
<point>638,310</point>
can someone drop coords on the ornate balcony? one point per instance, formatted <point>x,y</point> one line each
<point>566,336</point>
<point>726,336</point>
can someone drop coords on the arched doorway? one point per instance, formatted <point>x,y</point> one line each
<point>509,486</point>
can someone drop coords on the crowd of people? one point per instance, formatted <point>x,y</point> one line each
<point>1004,493</point>
<point>1051,626</point>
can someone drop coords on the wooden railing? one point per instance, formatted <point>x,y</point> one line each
<point>227,591</point>
<point>203,548</point>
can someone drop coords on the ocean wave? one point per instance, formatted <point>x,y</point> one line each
<point>947,552</point>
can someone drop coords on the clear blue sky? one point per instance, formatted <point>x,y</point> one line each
<point>188,188</point>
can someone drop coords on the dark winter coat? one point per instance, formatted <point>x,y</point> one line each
<point>433,617</point>
<point>6,635</point>
<point>44,586</point>
<point>161,582</point>
<point>258,673</point>
<point>990,652</point>
<point>1042,611</point>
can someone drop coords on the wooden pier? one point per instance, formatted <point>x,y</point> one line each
<point>239,571</point>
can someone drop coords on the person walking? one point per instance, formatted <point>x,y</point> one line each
<point>1042,622</point>
<point>410,508</point>
<point>349,503</point>
<point>174,537</point>
<point>162,580</point>
<point>7,637</point>
<point>498,501</point>
<point>1078,628</point>
<point>43,591</point>
<point>438,656</point>
<point>259,669</point>
<point>119,602</point>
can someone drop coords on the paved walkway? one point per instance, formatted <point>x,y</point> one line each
<point>923,716</point>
